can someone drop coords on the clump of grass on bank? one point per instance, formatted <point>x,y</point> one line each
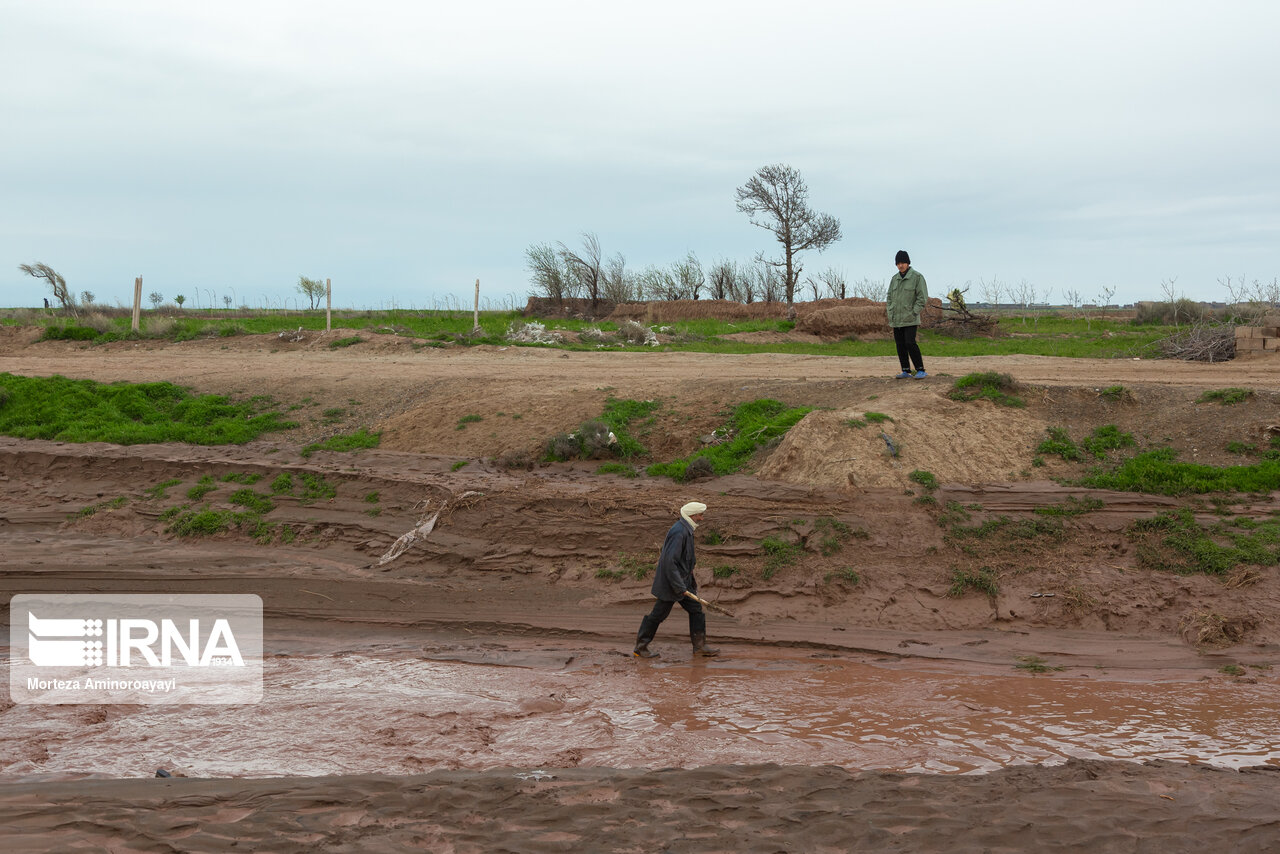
<point>1103,439</point>
<point>924,478</point>
<point>345,442</point>
<point>592,439</point>
<point>981,580</point>
<point>1159,472</point>
<point>753,425</point>
<point>778,553</point>
<point>990,385</point>
<point>1174,541</point>
<point>1034,664</point>
<point>1072,507</point>
<point>617,468</point>
<point>127,413</point>
<point>1226,396</point>
<point>832,534</point>
<point>349,341</point>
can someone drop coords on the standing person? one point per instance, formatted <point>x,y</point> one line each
<point>907,298</point>
<point>674,576</point>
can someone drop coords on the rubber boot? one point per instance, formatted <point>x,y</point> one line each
<point>648,628</point>
<point>700,645</point>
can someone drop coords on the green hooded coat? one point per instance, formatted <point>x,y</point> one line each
<point>907,297</point>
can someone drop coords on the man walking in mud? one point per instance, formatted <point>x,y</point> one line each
<point>672,580</point>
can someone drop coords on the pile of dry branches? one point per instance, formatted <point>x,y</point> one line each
<point>1200,342</point>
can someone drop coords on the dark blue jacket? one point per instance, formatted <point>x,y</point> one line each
<point>675,565</point>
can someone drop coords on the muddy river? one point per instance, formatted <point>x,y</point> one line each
<point>389,709</point>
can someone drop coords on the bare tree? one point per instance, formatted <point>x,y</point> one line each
<point>689,276</point>
<point>722,280</point>
<point>866,288</point>
<point>312,289</point>
<point>58,284</point>
<point>587,265</point>
<point>87,297</point>
<point>156,298</point>
<point>766,283</point>
<point>833,283</point>
<point>226,302</point>
<point>1249,300</point>
<point>551,278</point>
<point>1169,288</point>
<point>617,284</point>
<point>1024,294</point>
<point>777,200</point>
<point>991,291</point>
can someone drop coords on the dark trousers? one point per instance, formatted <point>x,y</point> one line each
<point>904,338</point>
<point>649,625</point>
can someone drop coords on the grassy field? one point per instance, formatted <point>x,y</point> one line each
<point>1047,335</point>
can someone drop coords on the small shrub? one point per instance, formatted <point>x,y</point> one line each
<point>202,523</point>
<point>1226,396</point>
<point>252,501</point>
<point>981,580</point>
<point>993,386</point>
<point>924,478</point>
<point>1060,444</point>
<point>1115,392</point>
<point>345,442</point>
<point>1106,438</point>
<point>459,464</point>
<point>315,488</point>
<point>778,553</point>
<point>202,488</point>
<point>159,492</point>
<point>724,570</point>
<point>1241,448</point>
<point>1231,670</point>
<point>283,484</point>
<point>712,537</point>
<point>877,418</point>
<point>468,419</point>
<point>345,342</point>
<point>373,497</point>
<point>856,423</point>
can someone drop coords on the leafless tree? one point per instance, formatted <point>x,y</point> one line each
<point>156,298</point>
<point>1249,300</point>
<point>87,297</point>
<point>618,285</point>
<point>551,278</point>
<point>833,281</point>
<point>867,288</point>
<point>1024,294</point>
<point>58,284</point>
<point>777,200</point>
<point>689,276</point>
<point>991,291</point>
<point>312,289</point>
<point>587,265</point>
<point>766,282</point>
<point>1105,294</point>
<point>722,280</point>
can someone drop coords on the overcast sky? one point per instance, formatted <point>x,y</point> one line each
<point>405,149</point>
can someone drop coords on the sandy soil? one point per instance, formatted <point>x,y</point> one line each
<point>518,562</point>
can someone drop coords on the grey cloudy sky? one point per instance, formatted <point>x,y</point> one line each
<point>407,148</point>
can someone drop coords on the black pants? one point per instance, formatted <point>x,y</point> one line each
<point>904,338</point>
<point>649,625</point>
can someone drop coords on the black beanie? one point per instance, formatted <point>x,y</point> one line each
<point>902,257</point>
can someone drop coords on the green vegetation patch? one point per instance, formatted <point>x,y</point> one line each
<point>753,424</point>
<point>69,410</point>
<point>1034,664</point>
<point>996,387</point>
<point>283,484</point>
<point>468,419</point>
<point>617,468</point>
<point>204,522</point>
<point>1159,472</point>
<point>345,442</point>
<point>248,478</point>
<point>315,488</point>
<point>1060,444</point>
<point>345,342</point>
<point>983,579</point>
<point>777,554</point>
<point>1174,541</point>
<point>202,488</point>
<point>1106,438</point>
<point>724,570</point>
<point>832,534</point>
<point>1226,396</point>
<point>159,492</point>
<point>252,501</point>
<point>110,504</point>
<point>924,478</point>
<point>877,418</point>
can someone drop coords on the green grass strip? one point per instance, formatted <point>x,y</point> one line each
<point>69,410</point>
<point>753,424</point>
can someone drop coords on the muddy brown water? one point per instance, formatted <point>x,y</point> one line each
<point>389,709</point>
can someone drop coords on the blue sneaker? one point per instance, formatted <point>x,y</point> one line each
<point>920,374</point>
<point>905,375</point>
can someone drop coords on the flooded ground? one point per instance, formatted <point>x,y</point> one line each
<point>387,709</point>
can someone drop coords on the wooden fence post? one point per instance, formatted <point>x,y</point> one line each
<point>328,306</point>
<point>475,322</point>
<point>137,304</point>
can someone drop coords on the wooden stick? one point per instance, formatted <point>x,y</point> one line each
<point>711,605</point>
